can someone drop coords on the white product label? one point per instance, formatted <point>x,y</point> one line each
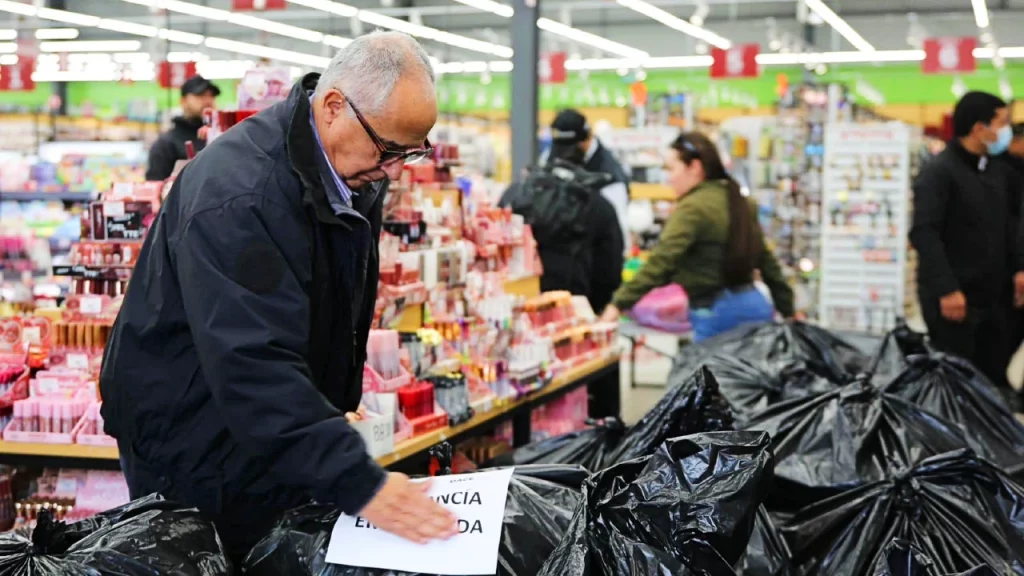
<point>47,385</point>
<point>32,335</point>
<point>78,361</point>
<point>91,305</point>
<point>478,500</point>
<point>113,209</point>
<point>123,190</point>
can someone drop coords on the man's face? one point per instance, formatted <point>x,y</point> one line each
<point>990,133</point>
<point>192,105</point>
<point>574,154</point>
<point>403,124</point>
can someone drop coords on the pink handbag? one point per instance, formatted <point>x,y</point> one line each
<point>666,309</point>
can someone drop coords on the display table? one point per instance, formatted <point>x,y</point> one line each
<point>518,411</point>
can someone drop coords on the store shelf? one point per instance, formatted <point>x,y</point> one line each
<point>70,455</point>
<point>411,318</point>
<point>47,196</point>
<point>644,191</point>
<point>559,385</point>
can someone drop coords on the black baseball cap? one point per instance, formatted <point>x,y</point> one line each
<point>567,130</point>
<point>198,85</point>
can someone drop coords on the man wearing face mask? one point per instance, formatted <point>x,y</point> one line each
<point>197,94</point>
<point>970,263</point>
<point>240,345</point>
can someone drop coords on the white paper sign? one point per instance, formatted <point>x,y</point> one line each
<point>90,305</point>
<point>479,502</point>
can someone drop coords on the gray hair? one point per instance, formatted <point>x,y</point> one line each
<point>367,69</point>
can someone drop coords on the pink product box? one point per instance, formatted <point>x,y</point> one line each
<point>374,382</point>
<point>89,430</point>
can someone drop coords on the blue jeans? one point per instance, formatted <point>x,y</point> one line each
<point>731,309</point>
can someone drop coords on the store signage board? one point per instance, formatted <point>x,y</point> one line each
<point>174,74</point>
<point>551,68</point>
<point>949,55</point>
<point>736,62</point>
<point>865,208</point>
<point>477,499</point>
<point>18,77</point>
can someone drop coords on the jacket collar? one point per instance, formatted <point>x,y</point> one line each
<point>973,161</point>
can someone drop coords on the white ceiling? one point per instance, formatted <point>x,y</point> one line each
<point>884,23</point>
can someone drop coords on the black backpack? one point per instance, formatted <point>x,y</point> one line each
<point>554,201</point>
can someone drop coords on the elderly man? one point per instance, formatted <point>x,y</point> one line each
<point>241,342</point>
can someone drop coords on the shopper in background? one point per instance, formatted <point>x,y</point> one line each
<point>239,348</point>
<point>970,259</point>
<point>573,141</point>
<point>197,94</point>
<point>711,245</point>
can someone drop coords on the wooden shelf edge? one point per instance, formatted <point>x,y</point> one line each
<point>59,450</point>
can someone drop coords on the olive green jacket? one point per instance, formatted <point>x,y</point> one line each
<point>691,251</point>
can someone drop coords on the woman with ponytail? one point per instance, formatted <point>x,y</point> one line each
<point>711,246</point>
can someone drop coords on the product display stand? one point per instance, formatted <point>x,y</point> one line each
<point>864,236</point>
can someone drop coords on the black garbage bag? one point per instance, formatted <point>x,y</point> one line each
<point>145,537</point>
<point>540,504</point>
<point>952,388</point>
<point>750,387</point>
<point>698,406</point>
<point>956,508</point>
<point>900,558</point>
<point>776,345</point>
<point>889,352</point>
<point>767,552</point>
<point>835,441</point>
<point>688,509</point>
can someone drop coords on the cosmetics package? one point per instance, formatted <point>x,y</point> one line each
<point>120,219</point>
<point>47,420</point>
<point>383,371</point>
<point>452,395</point>
<point>89,430</point>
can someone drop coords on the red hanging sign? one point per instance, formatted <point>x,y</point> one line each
<point>736,62</point>
<point>949,55</point>
<point>551,68</point>
<point>174,74</point>
<point>258,4</point>
<point>18,77</point>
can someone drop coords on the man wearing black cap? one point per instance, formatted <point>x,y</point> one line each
<point>197,94</point>
<point>970,263</point>
<point>572,140</point>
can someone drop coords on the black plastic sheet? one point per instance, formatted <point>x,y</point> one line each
<point>902,559</point>
<point>697,406</point>
<point>835,441</point>
<point>146,537</point>
<point>889,353</point>
<point>688,509</point>
<point>956,509</point>
<point>540,504</point>
<point>952,388</point>
<point>776,346</point>
<point>767,552</point>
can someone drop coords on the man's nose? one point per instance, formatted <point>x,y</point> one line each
<point>394,169</point>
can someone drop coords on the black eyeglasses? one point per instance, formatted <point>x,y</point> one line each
<point>388,155</point>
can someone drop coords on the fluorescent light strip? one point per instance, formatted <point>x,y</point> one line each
<point>267,52</point>
<point>181,37</point>
<point>128,28</point>
<point>245,20</point>
<point>675,23</point>
<point>835,21</point>
<point>980,13</point>
<point>56,33</point>
<point>562,30</point>
<point>91,46</point>
<point>8,59</point>
<point>8,34</point>
<point>69,17</point>
<point>8,47</point>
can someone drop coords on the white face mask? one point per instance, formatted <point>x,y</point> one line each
<point>1002,142</point>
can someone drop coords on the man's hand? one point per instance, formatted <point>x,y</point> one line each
<point>610,314</point>
<point>403,509</point>
<point>954,306</point>
<point>1018,290</point>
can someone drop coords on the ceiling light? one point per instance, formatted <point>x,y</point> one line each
<point>655,13</point>
<point>336,41</point>
<point>186,57</point>
<point>8,48</point>
<point>91,46</point>
<point>589,39</point>
<point>980,13</point>
<point>267,52</point>
<point>276,28</point>
<point>127,27</point>
<point>491,6</point>
<point>840,25</point>
<point>56,33</point>
<point>69,17</point>
<point>343,10</point>
<point>8,60</point>
<point>17,8</point>
<point>8,34</point>
<point>179,36</point>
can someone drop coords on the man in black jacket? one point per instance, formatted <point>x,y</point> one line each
<point>970,264</point>
<point>197,94</point>
<point>240,345</point>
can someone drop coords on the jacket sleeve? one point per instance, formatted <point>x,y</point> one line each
<point>680,232</point>
<point>931,195</point>
<point>161,160</point>
<point>606,273</point>
<point>240,267</point>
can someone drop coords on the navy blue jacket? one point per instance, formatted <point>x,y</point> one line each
<point>242,337</point>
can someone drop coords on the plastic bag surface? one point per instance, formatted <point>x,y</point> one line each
<point>767,552</point>
<point>900,558</point>
<point>146,537</point>
<point>698,406</point>
<point>688,509</point>
<point>541,501</point>
<point>835,441</point>
<point>956,509</point>
<point>666,308</point>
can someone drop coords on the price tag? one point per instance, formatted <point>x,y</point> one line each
<point>47,385</point>
<point>113,209</point>
<point>66,487</point>
<point>78,361</point>
<point>122,190</point>
<point>91,305</point>
<point>32,335</point>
